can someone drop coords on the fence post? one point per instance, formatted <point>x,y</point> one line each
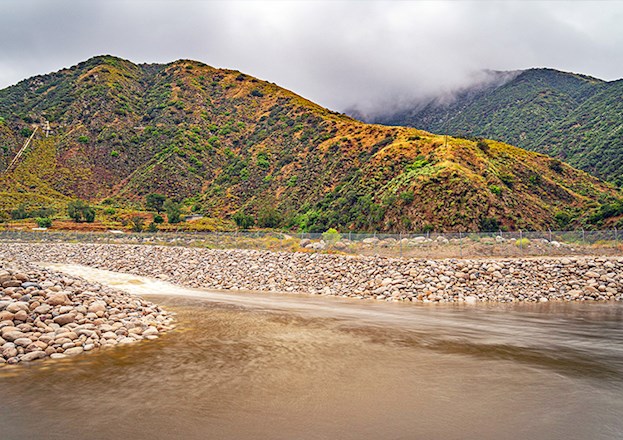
<point>461,244</point>
<point>550,234</point>
<point>583,237</point>
<point>400,242</point>
<point>616,238</point>
<point>349,235</point>
<point>520,241</point>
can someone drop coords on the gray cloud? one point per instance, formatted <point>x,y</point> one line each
<point>341,54</point>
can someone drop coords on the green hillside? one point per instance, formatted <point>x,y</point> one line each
<point>222,142</point>
<point>576,118</point>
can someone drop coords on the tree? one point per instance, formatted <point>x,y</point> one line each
<point>79,211</point>
<point>243,220</point>
<point>19,213</point>
<point>174,212</point>
<point>269,218</point>
<point>155,202</point>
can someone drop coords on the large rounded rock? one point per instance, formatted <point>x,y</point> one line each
<point>65,319</point>
<point>58,299</point>
<point>73,351</point>
<point>28,357</point>
<point>13,335</point>
<point>97,306</point>
<point>17,306</point>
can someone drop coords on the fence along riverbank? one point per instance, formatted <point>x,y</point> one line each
<point>424,245</point>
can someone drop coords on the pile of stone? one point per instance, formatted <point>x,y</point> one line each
<point>47,314</point>
<point>390,279</point>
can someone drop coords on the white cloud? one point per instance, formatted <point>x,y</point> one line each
<point>340,54</point>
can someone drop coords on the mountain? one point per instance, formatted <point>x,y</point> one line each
<point>576,118</point>
<point>223,142</point>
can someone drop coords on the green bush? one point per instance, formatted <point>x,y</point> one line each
<point>489,224</point>
<point>152,227</point>
<point>292,181</point>
<point>158,219</point>
<point>407,197</point>
<point>155,202</point>
<point>83,139</point>
<point>331,236</point>
<point>243,220</point>
<point>522,242</point>
<point>507,179</point>
<point>483,146</point>
<point>174,211</point>
<point>563,219</point>
<point>535,179</point>
<point>44,222</point>
<point>495,190</point>
<point>269,218</point>
<point>79,211</point>
<point>556,166</point>
<point>19,213</point>
<point>26,132</point>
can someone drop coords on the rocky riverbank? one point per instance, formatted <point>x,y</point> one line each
<point>47,314</point>
<point>451,280</point>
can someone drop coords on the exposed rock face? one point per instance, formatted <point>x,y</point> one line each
<point>44,313</point>
<point>452,280</point>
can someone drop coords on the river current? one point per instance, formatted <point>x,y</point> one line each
<point>275,366</point>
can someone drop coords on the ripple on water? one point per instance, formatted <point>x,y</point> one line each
<point>306,368</point>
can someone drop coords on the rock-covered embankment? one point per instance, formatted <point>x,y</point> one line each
<point>502,280</point>
<point>44,313</point>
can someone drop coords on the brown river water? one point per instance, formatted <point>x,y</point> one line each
<point>274,366</point>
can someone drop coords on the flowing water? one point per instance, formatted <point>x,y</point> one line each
<point>261,366</point>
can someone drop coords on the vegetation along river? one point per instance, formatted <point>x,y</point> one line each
<point>268,366</point>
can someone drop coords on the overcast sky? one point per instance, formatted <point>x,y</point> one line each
<point>345,54</point>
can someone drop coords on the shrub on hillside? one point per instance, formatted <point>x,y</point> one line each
<point>80,211</point>
<point>19,213</point>
<point>269,218</point>
<point>244,221</point>
<point>483,146</point>
<point>495,190</point>
<point>137,223</point>
<point>556,166</point>
<point>407,197</point>
<point>44,222</point>
<point>489,224</point>
<point>155,202</point>
<point>174,211</point>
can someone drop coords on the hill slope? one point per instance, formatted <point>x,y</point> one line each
<point>224,142</point>
<point>574,117</point>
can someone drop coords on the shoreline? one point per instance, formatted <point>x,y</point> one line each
<point>49,314</point>
<point>529,279</point>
